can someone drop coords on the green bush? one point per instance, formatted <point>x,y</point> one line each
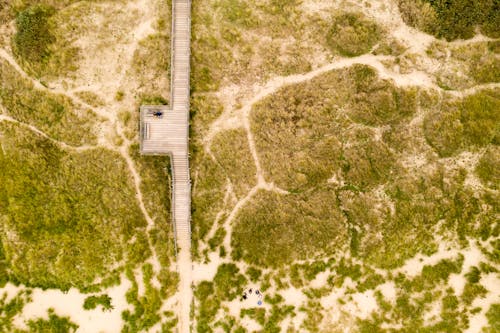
<point>488,168</point>
<point>303,135</point>
<point>493,316</point>
<point>33,36</point>
<point>452,19</point>
<point>92,302</point>
<point>352,34</point>
<point>229,282</point>
<point>12,308</point>
<point>146,307</point>
<point>155,187</point>
<point>54,324</point>
<point>464,124</point>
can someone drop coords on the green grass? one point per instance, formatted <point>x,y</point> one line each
<point>229,282</point>
<point>452,19</point>
<point>351,34</point>
<point>37,43</point>
<point>301,134</point>
<point>56,115</point>
<point>11,308</point>
<point>227,41</point>
<point>93,302</point>
<point>155,187</point>
<point>232,152</point>
<point>151,66</point>
<point>146,307</point>
<point>488,168</point>
<point>64,208</point>
<point>493,316</point>
<point>273,230</point>
<point>208,196</point>
<point>33,37</point>
<point>54,323</point>
<point>464,124</point>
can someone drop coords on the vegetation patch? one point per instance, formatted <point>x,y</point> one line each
<point>231,150</point>
<point>56,115</point>
<point>228,44</point>
<point>304,133</point>
<point>146,307</point>
<point>465,124</point>
<point>488,168</point>
<point>273,229</point>
<point>452,19</point>
<point>351,34</point>
<point>60,208</point>
<point>33,37</point>
<point>93,302</point>
<point>463,66</point>
<point>155,188</point>
<point>54,323</point>
<point>11,308</point>
<point>208,196</point>
<point>39,46</point>
<point>151,66</point>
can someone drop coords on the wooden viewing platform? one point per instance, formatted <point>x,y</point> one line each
<point>168,134</point>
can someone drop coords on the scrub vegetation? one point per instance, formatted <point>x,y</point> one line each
<point>241,41</point>
<point>60,208</point>
<point>93,302</point>
<point>468,124</point>
<point>75,195</point>
<point>54,323</point>
<point>55,115</point>
<point>231,149</point>
<point>352,35</point>
<point>301,131</point>
<point>363,174</point>
<point>37,43</point>
<point>465,66</point>
<point>274,229</point>
<point>452,19</point>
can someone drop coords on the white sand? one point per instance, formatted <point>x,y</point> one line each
<point>71,304</point>
<point>388,290</point>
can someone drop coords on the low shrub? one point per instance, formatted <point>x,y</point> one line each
<point>352,34</point>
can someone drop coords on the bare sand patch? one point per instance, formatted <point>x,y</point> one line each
<point>71,304</point>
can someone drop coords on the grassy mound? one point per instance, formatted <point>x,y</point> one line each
<point>301,131</point>
<point>33,36</point>
<point>465,124</point>
<point>274,229</point>
<point>452,19</point>
<point>67,217</point>
<point>352,34</point>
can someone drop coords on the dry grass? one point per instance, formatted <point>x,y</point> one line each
<point>231,149</point>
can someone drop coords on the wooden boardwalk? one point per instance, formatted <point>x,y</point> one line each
<point>169,134</point>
